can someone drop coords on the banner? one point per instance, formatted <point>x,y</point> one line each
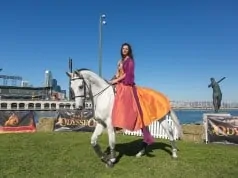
<point>17,121</point>
<point>75,120</point>
<point>222,129</point>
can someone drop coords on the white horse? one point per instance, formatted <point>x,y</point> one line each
<point>86,83</point>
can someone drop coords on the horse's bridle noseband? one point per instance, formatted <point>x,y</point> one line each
<point>80,96</point>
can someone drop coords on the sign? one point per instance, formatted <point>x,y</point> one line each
<point>17,121</point>
<point>222,129</point>
<point>75,120</point>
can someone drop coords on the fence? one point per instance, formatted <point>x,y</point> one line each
<point>157,130</point>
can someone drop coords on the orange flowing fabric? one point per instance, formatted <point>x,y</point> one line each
<point>126,112</point>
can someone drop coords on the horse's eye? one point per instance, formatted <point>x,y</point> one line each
<point>80,87</point>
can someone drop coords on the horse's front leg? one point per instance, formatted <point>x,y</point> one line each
<point>112,141</point>
<point>94,139</point>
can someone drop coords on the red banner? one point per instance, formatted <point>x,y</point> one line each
<point>17,121</point>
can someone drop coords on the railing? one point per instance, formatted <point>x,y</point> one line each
<point>39,104</point>
<point>34,105</point>
<point>37,99</point>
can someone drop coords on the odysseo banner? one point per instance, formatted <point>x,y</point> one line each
<point>73,120</point>
<point>223,129</point>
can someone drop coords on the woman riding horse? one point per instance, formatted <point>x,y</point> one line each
<point>135,107</point>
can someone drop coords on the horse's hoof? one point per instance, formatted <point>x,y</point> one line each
<point>143,150</point>
<point>113,160</point>
<point>174,154</point>
<point>109,164</point>
<point>140,154</point>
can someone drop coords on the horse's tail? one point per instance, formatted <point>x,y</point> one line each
<point>176,122</point>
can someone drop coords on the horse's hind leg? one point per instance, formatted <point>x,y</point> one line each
<point>169,131</point>
<point>97,132</point>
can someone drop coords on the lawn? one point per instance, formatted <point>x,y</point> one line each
<point>70,155</point>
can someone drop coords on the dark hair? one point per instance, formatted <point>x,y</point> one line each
<point>130,53</point>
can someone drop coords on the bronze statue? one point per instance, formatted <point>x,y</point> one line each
<point>217,94</point>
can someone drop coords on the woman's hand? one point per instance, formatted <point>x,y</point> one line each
<point>112,82</point>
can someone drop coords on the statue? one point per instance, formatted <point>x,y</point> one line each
<point>217,94</point>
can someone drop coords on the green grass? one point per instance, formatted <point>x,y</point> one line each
<point>70,155</point>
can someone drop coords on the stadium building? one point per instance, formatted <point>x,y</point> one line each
<point>25,93</point>
<point>22,90</point>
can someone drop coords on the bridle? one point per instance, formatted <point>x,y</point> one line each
<point>87,87</point>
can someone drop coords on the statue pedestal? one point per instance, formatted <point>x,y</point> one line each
<point>205,136</point>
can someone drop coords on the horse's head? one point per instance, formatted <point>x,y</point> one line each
<point>85,83</point>
<point>80,88</point>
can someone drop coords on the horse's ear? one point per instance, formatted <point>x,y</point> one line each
<point>69,74</point>
<point>78,73</point>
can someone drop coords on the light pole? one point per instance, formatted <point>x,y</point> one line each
<point>102,22</point>
<point>70,70</point>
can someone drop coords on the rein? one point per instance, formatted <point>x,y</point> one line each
<point>99,93</point>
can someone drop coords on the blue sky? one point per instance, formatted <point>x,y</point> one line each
<point>178,45</point>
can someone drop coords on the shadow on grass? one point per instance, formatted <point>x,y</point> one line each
<point>133,147</point>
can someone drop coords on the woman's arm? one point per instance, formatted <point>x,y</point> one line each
<point>117,70</point>
<point>128,69</point>
<point>119,78</point>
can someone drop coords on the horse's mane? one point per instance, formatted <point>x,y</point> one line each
<point>82,69</point>
<point>79,70</point>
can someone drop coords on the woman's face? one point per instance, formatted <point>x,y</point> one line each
<point>125,50</point>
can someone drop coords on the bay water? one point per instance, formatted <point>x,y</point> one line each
<point>195,116</point>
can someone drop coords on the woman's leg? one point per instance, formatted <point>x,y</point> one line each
<point>147,137</point>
